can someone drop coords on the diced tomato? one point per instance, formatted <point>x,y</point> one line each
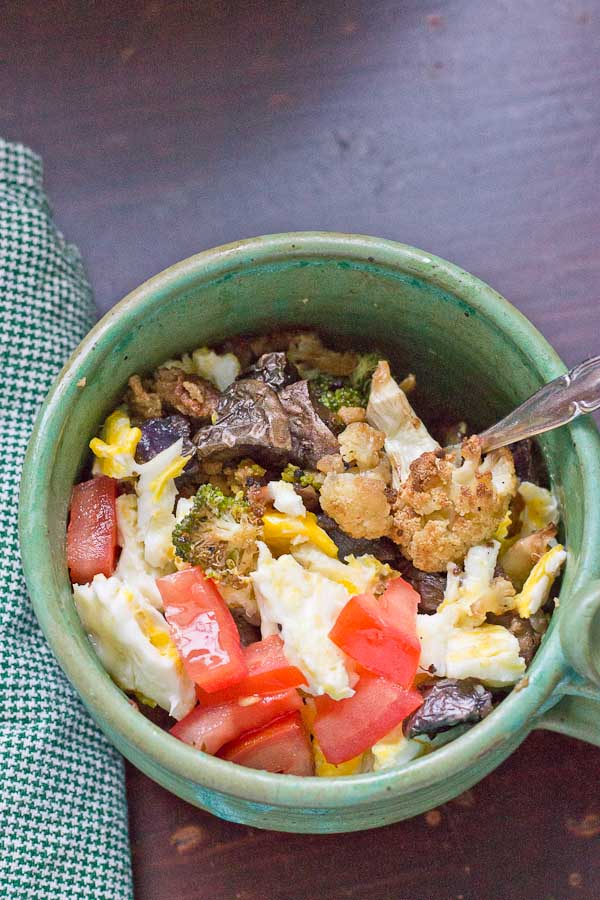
<point>282,746</point>
<point>92,531</point>
<point>268,672</point>
<point>345,728</point>
<point>203,630</point>
<point>381,633</point>
<point>210,727</point>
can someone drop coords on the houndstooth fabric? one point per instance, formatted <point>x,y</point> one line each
<point>63,814</point>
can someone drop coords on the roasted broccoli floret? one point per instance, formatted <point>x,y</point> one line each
<point>336,392</point>
<point>353,390</point>
<point>360,379</point>
<point>219,534</point>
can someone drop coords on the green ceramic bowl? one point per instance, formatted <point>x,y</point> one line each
<point>471,351</point>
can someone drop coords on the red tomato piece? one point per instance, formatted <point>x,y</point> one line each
<point>345,728</point>
<point>268,672</point>
<point>92,531</point>
<point>210,727</point>
<point>381,633</point>
<point>203,629</point>
<point>282,746</point>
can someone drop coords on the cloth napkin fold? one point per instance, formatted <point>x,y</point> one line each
<point>63,813</point>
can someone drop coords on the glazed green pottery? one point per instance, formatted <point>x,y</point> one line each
<point>473,355</point>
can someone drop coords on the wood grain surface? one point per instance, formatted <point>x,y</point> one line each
<point>469,129</point>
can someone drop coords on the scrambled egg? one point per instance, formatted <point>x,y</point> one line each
<point>156,493</point>
<point>282,531</point>
<point>133,642</point>
<point>541,508</point>
<point>302,607</point>
<point>394,749</point>
<point>456,641</point>
<point>115,448</point>
<point>132,567</point>
<point>541,578</point>
<point>489,653</point>
<point>285,499</point>
<point>477,591</point>
<point>358,574</point>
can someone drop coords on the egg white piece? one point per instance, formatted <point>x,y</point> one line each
<point>285,499</point>
<point>156,493</point>
<point>132,568</point>
<point>541,508</point>
<point>489,653</point>
<point>133,642</point>
<point>395,750</point>
<point>358,574</point>
<point>536,589</point>
<point>304,605</point>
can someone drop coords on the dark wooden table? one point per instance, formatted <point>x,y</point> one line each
<point>470,129</point>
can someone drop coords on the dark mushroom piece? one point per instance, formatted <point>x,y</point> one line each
<point>274,369</point>
<point>528,632</point>
<point>429,585</point>
<point>250,421</point>
<point>158,434</point>
<point>311,437</point>
<point>383,548</point>
<point>446,703</point>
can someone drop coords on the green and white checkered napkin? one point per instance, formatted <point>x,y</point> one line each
<point>63,813</point>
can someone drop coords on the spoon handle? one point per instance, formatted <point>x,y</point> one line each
<point>573,394</point>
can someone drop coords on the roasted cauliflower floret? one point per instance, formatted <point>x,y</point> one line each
<point>361,445</point>
<point>358,503</point>
<point>444,508</point>
<point>388,410</point>
<point>308,353</point>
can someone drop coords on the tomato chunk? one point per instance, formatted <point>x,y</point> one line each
<point>381,633</point>
<point>268,672</point>
<point>282,746</point>
<point>92,530</point>
<point>203,630</point>
<point>210,727</point>
<point>345,728</point>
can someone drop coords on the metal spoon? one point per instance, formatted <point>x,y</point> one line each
<point>573,394</point>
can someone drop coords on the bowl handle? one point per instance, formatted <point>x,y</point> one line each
<point>577,714</point>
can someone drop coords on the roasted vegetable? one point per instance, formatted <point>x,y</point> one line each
<point>219,534</point>
<point>358,503</point>
<point>529,632</point>
<point>406,437</point>
<point>334,393</point>
<point>311,438</point>
<point>447,703</point>
<point>382,548</point>
<point>158,434</point>
<point>429,585</point>
<point>274,369</point>
<point>249,421</point>
<point>443,509</point>
<point>185,393</point>
<point>307,351</point>
<point>521,556</point>
<point>361,375</point>
<point>301,477</point>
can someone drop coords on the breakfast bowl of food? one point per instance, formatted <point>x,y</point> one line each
<point>265,542</point>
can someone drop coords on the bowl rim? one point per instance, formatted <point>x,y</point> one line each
<point>109,706</point>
